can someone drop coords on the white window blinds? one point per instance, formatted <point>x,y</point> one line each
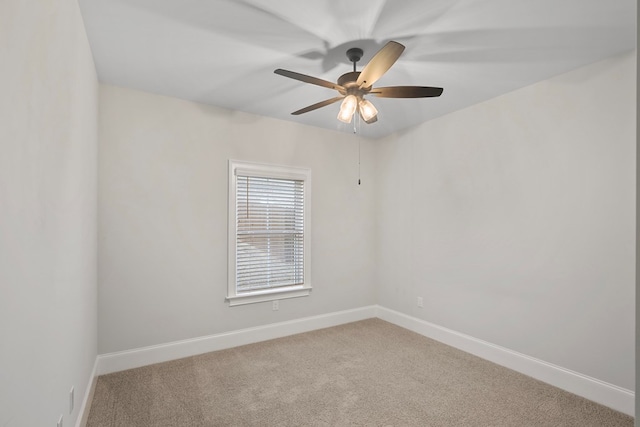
<point>269,233</point>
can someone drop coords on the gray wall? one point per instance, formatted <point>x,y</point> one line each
<point>163,217</point>
<point>514,219</point>
<point>637,231</point>
<point>48,175</point>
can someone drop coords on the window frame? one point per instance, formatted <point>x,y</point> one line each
<point>243,168</point>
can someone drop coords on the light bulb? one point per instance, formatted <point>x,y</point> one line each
<point>347,108</point>
<point>368,111</point>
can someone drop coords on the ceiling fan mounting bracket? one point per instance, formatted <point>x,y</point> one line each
<point>355,54</point>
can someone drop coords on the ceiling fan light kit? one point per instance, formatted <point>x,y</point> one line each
<point>353,86</point>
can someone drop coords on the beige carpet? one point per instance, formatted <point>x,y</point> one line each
<point>368,373</point>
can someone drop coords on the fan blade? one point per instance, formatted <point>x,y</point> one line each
<point>380,63</point>
<point>406,92</point>
<point>308,79</point>
<point>318,105</point>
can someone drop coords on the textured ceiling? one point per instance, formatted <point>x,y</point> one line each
<point>224,52</point>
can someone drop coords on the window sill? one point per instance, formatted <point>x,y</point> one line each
<point>268,295</point>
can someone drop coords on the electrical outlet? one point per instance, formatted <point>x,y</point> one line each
<point>276,305</point>
<point>59,422</point>
<point>71,400</point>
<point>420,302</point>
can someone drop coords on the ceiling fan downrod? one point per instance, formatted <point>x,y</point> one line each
<point>355,54</point>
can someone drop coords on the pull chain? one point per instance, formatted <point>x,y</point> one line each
<point>357,118</point>
<point>358,161</point>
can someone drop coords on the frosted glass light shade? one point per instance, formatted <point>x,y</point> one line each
<point>347,108</point>
<point>367,111</point>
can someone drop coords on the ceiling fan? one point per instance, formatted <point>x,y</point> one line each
<point>353,86</point>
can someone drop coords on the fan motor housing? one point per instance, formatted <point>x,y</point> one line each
<point>348,79</point>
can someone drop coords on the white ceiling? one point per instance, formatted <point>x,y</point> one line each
<point>223,52</point>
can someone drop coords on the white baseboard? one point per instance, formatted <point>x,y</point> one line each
<point>83,413</point>
<point>122,360</point>
<point>610,395</point>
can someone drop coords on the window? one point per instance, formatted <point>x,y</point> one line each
<point>268,232</point>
